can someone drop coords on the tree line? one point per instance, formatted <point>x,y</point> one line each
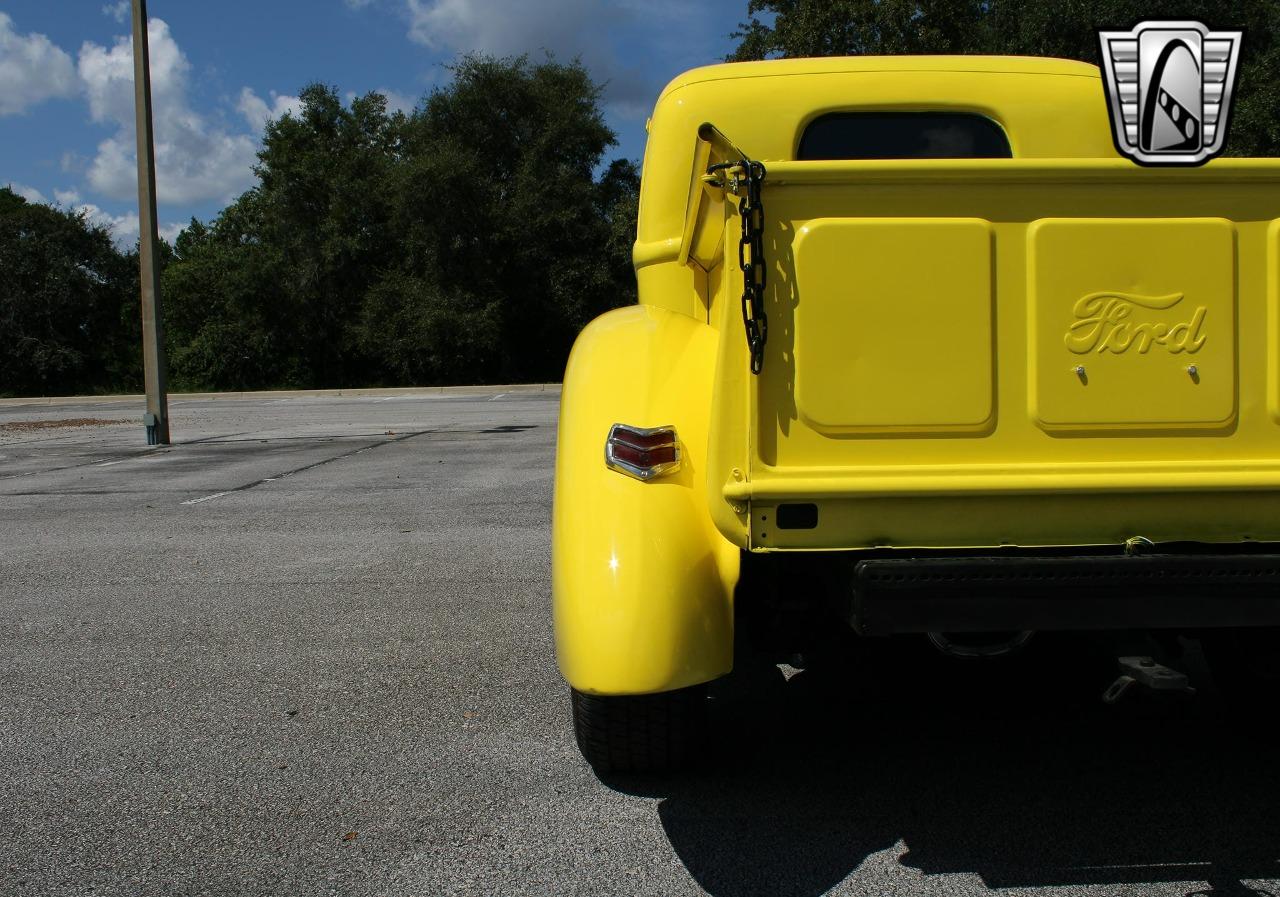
<point>68,304</point>
<point>465,242</point>
<point>469,240</point>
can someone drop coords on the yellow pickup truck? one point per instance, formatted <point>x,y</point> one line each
<point>915,351</point>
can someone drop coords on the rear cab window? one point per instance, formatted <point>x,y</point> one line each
<point>903,135</point>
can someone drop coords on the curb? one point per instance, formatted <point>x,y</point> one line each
<point>292,394</point>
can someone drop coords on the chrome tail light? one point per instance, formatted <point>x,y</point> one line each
<point>645,453</point>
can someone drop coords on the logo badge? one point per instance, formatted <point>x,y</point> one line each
<point>1169,87</point>
<point>1104,322</point>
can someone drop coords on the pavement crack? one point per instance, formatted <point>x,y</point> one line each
<point>304,468</point>
<point>116,459</point>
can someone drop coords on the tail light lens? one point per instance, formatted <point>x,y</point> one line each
<point>642,452</point>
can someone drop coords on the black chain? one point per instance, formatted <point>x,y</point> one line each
<point>751,261</point>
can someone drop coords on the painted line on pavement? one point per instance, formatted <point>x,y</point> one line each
<point>306,467</point>
<point>196,501</point>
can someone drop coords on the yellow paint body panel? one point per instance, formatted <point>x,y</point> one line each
<point>922,289</point>
<point>642,581</point>
<point>1121,357</point>
<point>1058,349</point>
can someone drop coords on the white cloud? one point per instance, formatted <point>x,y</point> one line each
<point>503,28</point>
<point>569,29</point>
<point>67,197</point>
<point>108,76</point>
<point>30,194</point>
<point>125,228</point>
<point>32,70</point>
<point>169,232</point>
<point>357,4</point>
<point>118,11</point>
<point>73,162</point>
<point>257,112</point>
<point>194,160</point>
<point>396,101</point>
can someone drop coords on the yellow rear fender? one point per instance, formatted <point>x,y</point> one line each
<point>642,582</point>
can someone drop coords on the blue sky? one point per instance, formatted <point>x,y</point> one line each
<point>219,70</point>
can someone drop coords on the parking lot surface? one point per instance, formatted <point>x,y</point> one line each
<point>307,649</point>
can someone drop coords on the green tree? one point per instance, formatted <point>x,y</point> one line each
<point>794,28</point>
<point>466,242</point>
<point>228,323</point>
<point>510,243</point>
<point>68,308</point>
<point>323,207</point>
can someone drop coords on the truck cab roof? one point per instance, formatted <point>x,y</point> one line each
<point>1047,109</point>
<point>827,65</point>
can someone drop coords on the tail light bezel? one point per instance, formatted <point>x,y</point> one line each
<point>627,449</point>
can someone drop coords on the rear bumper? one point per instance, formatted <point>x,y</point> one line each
<point>1082,592</point>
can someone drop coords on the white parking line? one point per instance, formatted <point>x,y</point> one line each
<point>196,501</point>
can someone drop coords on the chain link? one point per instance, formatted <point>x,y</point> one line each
<point>751,260</point>
<point>750,175</point>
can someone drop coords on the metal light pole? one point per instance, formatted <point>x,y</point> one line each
<point>153,361</point>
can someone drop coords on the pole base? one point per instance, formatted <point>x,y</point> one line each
<point>152,423</point>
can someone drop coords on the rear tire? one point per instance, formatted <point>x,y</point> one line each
<point>661,732</point>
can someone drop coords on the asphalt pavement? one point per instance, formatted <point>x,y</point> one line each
<point>307,650</point>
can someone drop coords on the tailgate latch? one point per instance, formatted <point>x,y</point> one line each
<point>1146,672</point>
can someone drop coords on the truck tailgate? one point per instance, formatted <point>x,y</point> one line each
<point>1014,352</point>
